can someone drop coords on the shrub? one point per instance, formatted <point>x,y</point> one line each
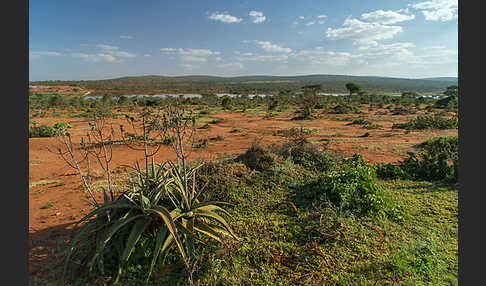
<point>42,131</point>
<point>257,157</point>
<point>220,179</point>
<point>390,171</point>
<point>292,132</point>
<point>351,189</point>
<point>399,110</point>
<point>429,122</point>
<point>438,160</point>
<point>366,124</point>
<point>307,155</point>
<point>360,122</point>
<point>344,108</point>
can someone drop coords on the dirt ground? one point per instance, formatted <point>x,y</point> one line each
<point>57,199</point>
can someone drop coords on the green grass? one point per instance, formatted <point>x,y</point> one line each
<point>282,246</point>
<point>287,241</point>
<point>43,182</point>
<point>48,206</point>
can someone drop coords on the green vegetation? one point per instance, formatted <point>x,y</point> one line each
<point>366,124</point>
<point>294,214</point>
<point>247,84</point>
<point>344,108</point>
<point>429,122</point>
<point>437,160</point>
<point>44,130</point>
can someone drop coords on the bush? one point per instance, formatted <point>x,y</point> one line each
<point>390,171</point>
<point>428,122</point>
<point>220,179</point>
<point>257,157</point>
<point>344,109</point>
<point>307,155</point>
<point>48,131</point>
<point>366,124</point>
<point>352,189</point>
<point>438,160</point>
<point>42,131</point>
<point>399,110</point>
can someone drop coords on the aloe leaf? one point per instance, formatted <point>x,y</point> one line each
<point>134,236</point>
<point>159,240</point>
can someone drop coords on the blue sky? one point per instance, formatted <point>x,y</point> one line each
<point>83,40</point>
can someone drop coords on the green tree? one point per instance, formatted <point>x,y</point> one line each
<point>352,88</point>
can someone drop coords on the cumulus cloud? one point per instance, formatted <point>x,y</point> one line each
<point>188,58</point>
<point>107,47</point>
<point>37,55</point>
<point>231,66</point>
<point>438,10</point>
<point>321,22</point>
<point>270,47</point>
<point>257,17</point>
<point>197,52</point>
<point>310,23</point>
<point>100,57</point>
<point>126,37</point>
<point>262,58</point>
<point>386,17</point>
<point>108,53</point>
<point>363,33</point>
<point>321,16</point>
<point>224,17</point>
<point>301,17</point>
<point>168,50</point>
<point>191,55</point>
<point>320,56</point>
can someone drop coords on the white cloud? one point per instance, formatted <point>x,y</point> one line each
<point>168,50</point>
<point>270,47</point>
<point>147,55</point>
<point>386,17</point>
<point>188,58</point>
<point>262,58</point>
<point>126,37</point>
<point>438,10</point>
<point>100,57</point>
<point>363,33</point>
<point>191,55</point>
<point>107,47</point>
<point>231,66</point>
<point>320,56</point>
<point>225,18</point>
<point>257,17</point>
<point>109,54</point>
<point>197,52</point>
<point>321,16</point>
<point>122,54</point>
<point>310,23</point>
<point>37,55</point>
<point>188,67</point>
<point>321,22</point>
<point>301,17</point>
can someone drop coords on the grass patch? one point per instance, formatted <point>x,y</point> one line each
<point>48,206</point>
<point>43,182</point>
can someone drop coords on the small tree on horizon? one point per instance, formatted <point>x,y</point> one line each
<point>352,88</point>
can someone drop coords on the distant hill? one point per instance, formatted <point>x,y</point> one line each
<point>448,79</point>
<point>255,83</point>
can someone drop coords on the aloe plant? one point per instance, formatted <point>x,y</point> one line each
<point>141,211</point>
